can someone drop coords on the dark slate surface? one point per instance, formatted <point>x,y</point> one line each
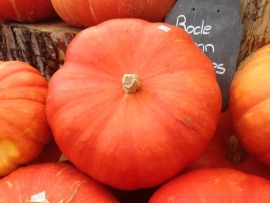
<point>216,27</point>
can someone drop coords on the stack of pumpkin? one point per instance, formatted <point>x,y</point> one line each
<point>135,107</point>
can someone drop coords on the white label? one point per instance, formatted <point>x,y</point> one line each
<point>38,196</point>
<point>39,201</point>
<point>164,28</point>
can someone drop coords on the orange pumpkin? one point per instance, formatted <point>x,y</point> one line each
<point>24,128</point>
<point>134,102</point>
<point>88,13</point>
<point>219,185</point>
<point>27,11</point>
<point>54,183</point>
<point>249,104</point>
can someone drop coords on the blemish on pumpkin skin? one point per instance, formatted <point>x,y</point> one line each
<point>185,120</point>
<point>216,181</point>
<point>8,148</point>
<point>182,117</point>
<point>9,184</point>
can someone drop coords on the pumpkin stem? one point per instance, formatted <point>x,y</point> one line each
<point>236,152</point>
<point>130,83</point>
<point>63,158</point>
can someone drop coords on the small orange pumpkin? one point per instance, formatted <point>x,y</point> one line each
<point>24,128</point>
<point>249,104</point>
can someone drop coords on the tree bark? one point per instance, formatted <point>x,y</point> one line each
<point>255,15</point>
<point>42,45</point>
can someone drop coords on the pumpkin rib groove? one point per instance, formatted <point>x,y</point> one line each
<point>67,11</point>
<point>4,122</point>
<point>13,100</point>
<point>137,167</point>
<point>92,11</point>
<point>30,86</point>
<point>38,104</point>
<point>171,70</point>
<point>95,73</point>
<point>24,94</point>
<point>23,117</point>
<point>158,125</point>
<point>86,125</point>
<point>195,104</point>
<point>254,60</point>
<point>99,64</point>
<point>165,133</point>
<point>79,101</point>
<point>254,107</point>
<point>22,114</point>
<point>18,73</point>
<point>249,76</point>
<point>248,95</point>
<point>69,15</point>
<point>83,101</point>
<point>15,129</point>
<point>86,99</point>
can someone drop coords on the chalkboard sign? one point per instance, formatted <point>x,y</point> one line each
<point>216,27</point>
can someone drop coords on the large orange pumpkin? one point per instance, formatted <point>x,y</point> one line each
<point>249,104</point>
<point>134,102</point>
<point>24,128</point>
<point>88,13</point>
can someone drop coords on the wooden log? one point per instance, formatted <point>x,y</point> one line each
<point>255,15</point>
<point>42,45</point>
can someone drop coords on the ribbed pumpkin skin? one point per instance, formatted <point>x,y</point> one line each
<point>24,127</point>
<point>138,140</point>
<point>87,13</point>
<point>27,11</point>
<point>249,104</point>
<point>218,185</point>
<point>61,182</point>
